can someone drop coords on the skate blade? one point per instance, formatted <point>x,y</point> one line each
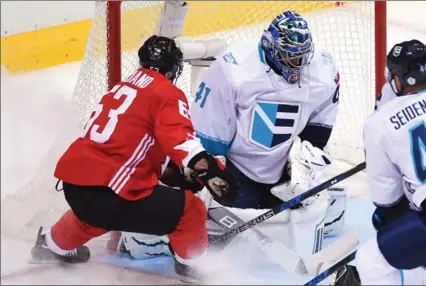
<point>43,262</point>
<point>190,281</point>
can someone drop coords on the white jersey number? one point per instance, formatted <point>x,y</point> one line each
<point>104,135</point>
<point>418,150</point>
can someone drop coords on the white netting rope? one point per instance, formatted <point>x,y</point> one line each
<point>346,32</point>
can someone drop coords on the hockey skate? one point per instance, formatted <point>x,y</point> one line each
<point>42,254</point>
<point>188,274</point>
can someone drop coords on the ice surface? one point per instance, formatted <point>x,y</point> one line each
<point>33,106</point>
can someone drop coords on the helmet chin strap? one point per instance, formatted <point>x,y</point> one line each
<point>394,88</point>
<point>278,71</point>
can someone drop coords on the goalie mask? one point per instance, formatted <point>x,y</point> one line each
<point>288,45</point>
<point>163,55</point>
<point>407,61</point>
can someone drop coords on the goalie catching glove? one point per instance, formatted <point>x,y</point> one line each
<point>212,173</point>
<point>305,165</point>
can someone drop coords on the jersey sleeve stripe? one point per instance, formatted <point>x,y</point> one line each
<point>119,175</point>
<point>131,170</point>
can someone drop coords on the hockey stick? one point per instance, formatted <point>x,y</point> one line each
<point>323,275</point>
<point>287,205</point>
<point>332,253</point>
<point>277,252</point>
<point>282,255</point>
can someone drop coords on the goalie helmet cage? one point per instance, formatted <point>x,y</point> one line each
<point>354,32</point>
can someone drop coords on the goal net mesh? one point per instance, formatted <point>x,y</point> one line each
<point>346,31</point>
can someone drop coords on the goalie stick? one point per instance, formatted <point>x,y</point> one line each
<point>275,251</point>
<point>286,205</point>
<point>282,255</point>
<point>326,273</point>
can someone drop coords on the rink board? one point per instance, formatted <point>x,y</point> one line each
<point>358,218</point>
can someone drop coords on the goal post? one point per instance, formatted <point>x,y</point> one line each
<point>380,21</point>
<point>113,21</point>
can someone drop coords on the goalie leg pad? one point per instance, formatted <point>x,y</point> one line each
<point>307,226</point>
<point>143,246</point>
<point>335,218</point>
<point>301,230</point>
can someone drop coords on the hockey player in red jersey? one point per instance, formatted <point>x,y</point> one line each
<point>111,172</point>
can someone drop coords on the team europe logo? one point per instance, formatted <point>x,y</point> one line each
<point>273,123</point>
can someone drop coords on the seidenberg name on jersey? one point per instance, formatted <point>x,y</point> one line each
<point>408,113</point>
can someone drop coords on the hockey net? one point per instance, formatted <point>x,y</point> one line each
<point>352,31</point>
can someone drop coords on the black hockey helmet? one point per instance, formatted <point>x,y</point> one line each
<point>407,60</point>
<point>163,55</point>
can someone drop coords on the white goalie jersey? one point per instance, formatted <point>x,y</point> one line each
<point>395,145</point>
<point>246,112</point>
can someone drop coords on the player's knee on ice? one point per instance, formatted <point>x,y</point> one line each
<point>408,233</point>
<point>397,255</point>
<point>373,268</point>
<point>189,239</point>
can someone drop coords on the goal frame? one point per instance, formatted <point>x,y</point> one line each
<point>114,42</point>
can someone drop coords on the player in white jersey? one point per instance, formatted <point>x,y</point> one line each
<point>263,100</point>
<point>385,95</point>
<point>268,106</point>
<point>395,144</point>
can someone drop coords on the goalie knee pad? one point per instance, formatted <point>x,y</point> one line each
<point>335,217</point>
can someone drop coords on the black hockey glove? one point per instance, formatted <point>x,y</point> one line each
<point>216,178</point>
<point>174,176</point>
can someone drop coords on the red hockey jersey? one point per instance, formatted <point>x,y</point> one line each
<point>135,126</point>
